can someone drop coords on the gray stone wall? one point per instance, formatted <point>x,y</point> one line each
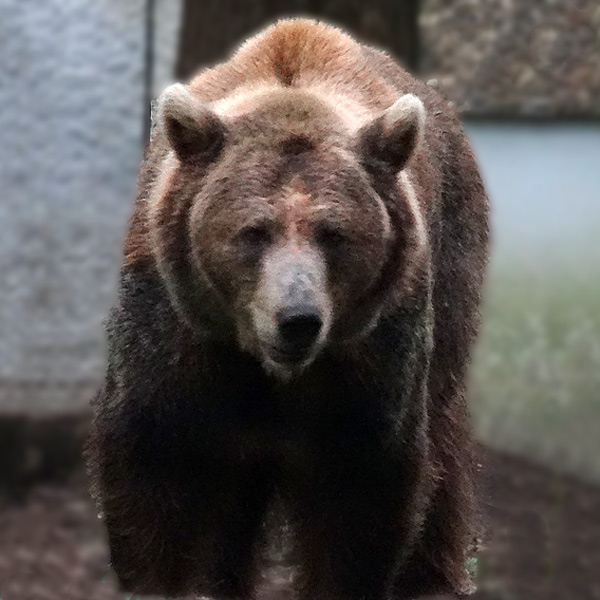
<point>71,117</point>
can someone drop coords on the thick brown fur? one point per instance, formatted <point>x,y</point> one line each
<point>368,444</point>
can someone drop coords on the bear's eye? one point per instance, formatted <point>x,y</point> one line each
<point>254,237</point>
<point>330,237</point>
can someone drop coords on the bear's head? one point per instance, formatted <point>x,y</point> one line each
<point>279,222</point>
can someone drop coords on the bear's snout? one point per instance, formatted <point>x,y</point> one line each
<point>291,310</point>
<point>298,328</point>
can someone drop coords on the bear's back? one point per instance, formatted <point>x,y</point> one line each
<point>305,54</point>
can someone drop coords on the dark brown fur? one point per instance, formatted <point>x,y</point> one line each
<point>369,446</point>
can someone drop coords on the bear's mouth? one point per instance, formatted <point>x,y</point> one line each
<point>285,364</point>
<point>288,357</point>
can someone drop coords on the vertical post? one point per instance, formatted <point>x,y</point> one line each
<point>148,68</point>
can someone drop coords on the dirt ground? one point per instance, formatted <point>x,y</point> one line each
<point>544,541</point>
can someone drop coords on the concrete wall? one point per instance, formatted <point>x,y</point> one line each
<point>71,117</point>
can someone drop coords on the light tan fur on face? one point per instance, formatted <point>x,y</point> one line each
<point>268,297</point>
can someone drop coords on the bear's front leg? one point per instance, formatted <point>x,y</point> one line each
<point>182,514</point>
<point>357,514</point>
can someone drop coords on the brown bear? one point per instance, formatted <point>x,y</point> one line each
<point>298,301</point>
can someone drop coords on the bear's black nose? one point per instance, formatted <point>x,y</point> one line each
<point>299,327</point>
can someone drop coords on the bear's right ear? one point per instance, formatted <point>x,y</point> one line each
<point>393,136</point>
<point>194,131</point>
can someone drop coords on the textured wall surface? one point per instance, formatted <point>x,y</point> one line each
<point>72,111</point>
<point>527,58</point>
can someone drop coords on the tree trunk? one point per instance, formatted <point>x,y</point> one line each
<point>211,29</point>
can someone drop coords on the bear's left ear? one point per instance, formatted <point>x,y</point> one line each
<point>393,136</point>
<point>193,130</point>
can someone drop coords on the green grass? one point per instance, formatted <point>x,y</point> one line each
<point>536,375</point>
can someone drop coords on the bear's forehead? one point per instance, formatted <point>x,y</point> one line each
<point>282,112</point>
<point>292,169</point>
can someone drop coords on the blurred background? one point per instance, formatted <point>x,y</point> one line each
<point>76,81</point>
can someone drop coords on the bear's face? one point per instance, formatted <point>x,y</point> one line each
<point>285,224</point>
<point>290,243</point>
